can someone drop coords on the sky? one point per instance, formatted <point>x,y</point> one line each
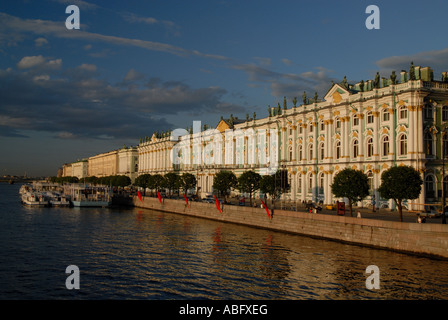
<point>139,66</point>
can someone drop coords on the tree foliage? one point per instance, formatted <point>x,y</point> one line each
<point>224,182</point>
<point>275,184</point>
<point>351,184</point>
<point>187,181</point>
<point>399,183</point>
<point>249,182</point>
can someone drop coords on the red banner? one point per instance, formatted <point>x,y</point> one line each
<point>186,199</point>
<point>139,196</point>
<point>266,208</point>
<point>159,196</point>
<point>218,205</point>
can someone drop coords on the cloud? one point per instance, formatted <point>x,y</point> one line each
<point>13,29</point>
<point>30,62</point>
<point>84,5</point>
<point>287,62</point>
<point>169,25</point>
<point>133,75</point>
<point>40,42</point>
<point>73,104</point>
<point>437,59</point>
<point>287,84</point>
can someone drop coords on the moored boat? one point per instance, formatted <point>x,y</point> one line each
<point>90,196</point>
<point>34,199</point>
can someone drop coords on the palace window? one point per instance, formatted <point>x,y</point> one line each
<point>300,129</point>
<point>428,112</point>
<point>299,183</point>
<point>385,146</point>
<point>338,123</point>
<point>429,186</point>
<point>321,181</point>
<point>299,151</point>
<point>370,117</point>
<point>428,144</point>
<point>310,183</point>
<point>403,145</point>
<point>370,180</point>
<point>311,127</point>
<point>403,112</point>
<point>369,147</point>
<point>355,148</point>
<point>445,113</point>
<point>355,120</point>
<point>338,149</point>
<point>322,151</point>
<point>310,152</point>
<point>445,145</point>
<point>290,154</point>
<point>386,115</point>
<point>322,126</point>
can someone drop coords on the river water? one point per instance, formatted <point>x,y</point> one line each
<point>129,253</point>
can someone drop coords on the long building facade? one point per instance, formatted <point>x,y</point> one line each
<point>369,126</point>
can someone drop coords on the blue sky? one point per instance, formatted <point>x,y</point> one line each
<point>137,66</point>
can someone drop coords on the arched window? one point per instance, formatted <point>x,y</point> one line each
<point>299,152</point>
<point>338,123</point>
<point>310,152</point>
<point>322,151</point>
<point>445,113</point>
<point>385,146</point>
<point>403,149</point>
<point>355,148</point>
<point>370,179</point>
<point>428,143</point>
<point>321,125</point>
<point>338,149</point>
<point>299,183</point>
<point>429,186</point>
<point>311,127</point>
<point>290,153</point>
<point>445,144</point>
<point>369,147</point>
<point>321,180</point>
<point>310,183</point>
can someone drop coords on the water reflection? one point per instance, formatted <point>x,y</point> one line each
<point>143,254</point>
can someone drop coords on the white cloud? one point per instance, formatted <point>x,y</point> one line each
<point>30,62</point>
<point>40,42</point>
<point>287,62</point>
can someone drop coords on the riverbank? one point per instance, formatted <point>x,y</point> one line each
<point>422,239</point>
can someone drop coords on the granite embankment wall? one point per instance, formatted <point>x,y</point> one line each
<point>423,239</point>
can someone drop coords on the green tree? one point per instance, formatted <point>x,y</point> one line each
<point>156,182</point>
<point>187,181</point>
<point>275,184</point>
<point>399,183</point>
<point>249,182</point>
<point>171,181</point>
<point>142,181</point>
<point>224,182</point>
<point>351,184</point>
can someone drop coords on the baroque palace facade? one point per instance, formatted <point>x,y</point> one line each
<point>369,126</point>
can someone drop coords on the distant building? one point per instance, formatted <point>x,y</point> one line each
<point>67,170</point>
<point>80,169</point>
<point>128,162</point>
<point>104,164</point>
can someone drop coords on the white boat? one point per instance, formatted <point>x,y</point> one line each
<point>89,196</point>
<point>34,199</point>
<point>58,200</point>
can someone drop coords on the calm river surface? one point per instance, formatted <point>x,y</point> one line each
<point>142,254</point>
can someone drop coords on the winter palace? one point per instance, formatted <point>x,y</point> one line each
<point>370,126</point>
